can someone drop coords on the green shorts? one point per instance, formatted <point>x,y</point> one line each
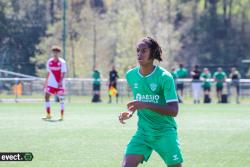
<point>166,146</point>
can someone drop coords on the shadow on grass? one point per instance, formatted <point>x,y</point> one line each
<point>52,120</point>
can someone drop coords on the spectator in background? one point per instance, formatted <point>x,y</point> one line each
<point>205,77</point>
<point>220,78</point>
<point>235,82</point>
<point>196,84</point>
<point>173,73</point>
<point>17,88</point>
<point>181,73</point>
<point>96,86</point>
<point>113,77</point>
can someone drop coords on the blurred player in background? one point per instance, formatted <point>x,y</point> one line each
<point>235,82</point>
<point>196,83</point>
<point>181,73</point>
<point>113,77</point>
<point>173,73</point>
<point>156,103</point>
<point>220,78</point>
<point>206,84</point>
<point>54,84</point>
<point>96,75</point>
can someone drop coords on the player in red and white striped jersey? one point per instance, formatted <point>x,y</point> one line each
<point>54,84</point>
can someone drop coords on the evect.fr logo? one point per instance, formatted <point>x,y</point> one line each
<point>16,156</point>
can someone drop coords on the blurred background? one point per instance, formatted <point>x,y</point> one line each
<point>207,32</point>
<point>102,33</point>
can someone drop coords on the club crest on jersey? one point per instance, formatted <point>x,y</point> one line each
<point>135,85</point>
<point>153,86</point>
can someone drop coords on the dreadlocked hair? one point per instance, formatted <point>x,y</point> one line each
<point>155,49</point>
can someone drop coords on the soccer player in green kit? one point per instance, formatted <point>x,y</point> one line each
<point>181,73</point>
<point>220,78</point>
<point>156,103</point>
<point>205,77</point>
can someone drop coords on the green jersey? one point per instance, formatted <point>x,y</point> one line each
<point>206,82</point>
<point>96,76</point>
<point>159,88</point>
<point>219,78</point>
<point>181,73</point>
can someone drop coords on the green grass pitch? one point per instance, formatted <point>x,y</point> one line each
<point>90,136</point>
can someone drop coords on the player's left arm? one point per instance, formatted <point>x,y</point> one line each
<point>170,108</point>
<point>47,75</point>
<point>62,77</point>
<point>46,80</point>
<point>63,73</point>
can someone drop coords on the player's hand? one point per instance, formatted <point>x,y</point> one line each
<point>124,116</point>
<point>135,105</point>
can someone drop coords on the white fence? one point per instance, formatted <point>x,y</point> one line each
<point>33,87</point>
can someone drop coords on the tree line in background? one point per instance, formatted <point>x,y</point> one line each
<point>104,32</point>
<point>22,24</point>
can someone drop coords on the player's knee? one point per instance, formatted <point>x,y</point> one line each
<point>178,165</point>
<point>129,164</point>
<point>46,97</point>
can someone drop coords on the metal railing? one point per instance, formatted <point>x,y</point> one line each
<point>32,88</point>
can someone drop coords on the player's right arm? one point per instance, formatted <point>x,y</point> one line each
<point>47,76</point>
<point>46,80</point>
<point>127,114</point>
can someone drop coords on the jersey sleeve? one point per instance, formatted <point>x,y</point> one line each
<point>169,89</point>
<point>186,73</point>
<point>208,75</point>
<point>215,74</point>
<point>202,75</point>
